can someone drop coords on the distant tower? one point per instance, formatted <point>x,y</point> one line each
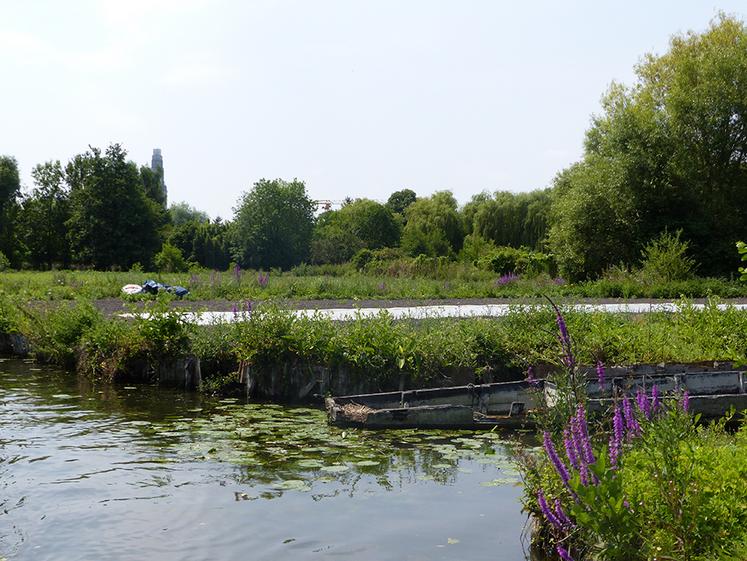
<point>156,166</point>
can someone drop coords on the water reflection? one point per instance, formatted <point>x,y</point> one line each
<point>130,472</point>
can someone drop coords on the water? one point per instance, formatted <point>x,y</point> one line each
<point>457,311</point>
<point>133,473</point>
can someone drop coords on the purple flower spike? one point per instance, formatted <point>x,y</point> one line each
<point>531,378</point>
<point>584,474</point>
<point>618,433</point>
<point>570,449</point>
<point>263,279</point>
<point>508,278</point>
<point>235,310</point>
<point>563,553</point>
<point>644,405</point>
<point>548,514</point>
<point>655,400</point>
<point>562,516</point>
<point>249,306</point>
<point>560,467</point>
<point>631,424</point>
<point>600,373</point>
<point>686,402</point>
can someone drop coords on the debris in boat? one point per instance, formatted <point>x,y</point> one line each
<point>357,412</point>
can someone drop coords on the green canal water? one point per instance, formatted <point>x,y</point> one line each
<point>132,473</point>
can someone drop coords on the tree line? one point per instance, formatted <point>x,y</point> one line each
<point>666,156</point>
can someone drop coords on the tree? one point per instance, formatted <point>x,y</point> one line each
<point>45,212</point>
<point>153,185</point>
<point>273,224</point>
<point>434,227</point>
<point>211,247</point>
<point>182,213</point>
<point>510,219</point>
<point>400,200</point>
<point>362,223</point>
<point>670,153</point>
<point>10,187</point>
<point>112,222</point>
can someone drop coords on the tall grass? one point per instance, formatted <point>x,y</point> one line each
<point>396,281</point>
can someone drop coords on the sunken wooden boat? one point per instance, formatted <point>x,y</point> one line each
<point>713,392</point>
<point>474,406</point>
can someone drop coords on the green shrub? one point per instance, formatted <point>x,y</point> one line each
<point>664,259</point>
<point>107,348</point>
<point>522,261</point>
<point>362,258</point>
<point>163,332</point>
<point>4,262</point>
<point>56,333</point>
<point>170,260</point>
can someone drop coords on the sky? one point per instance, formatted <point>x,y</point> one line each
<point>356,98</point>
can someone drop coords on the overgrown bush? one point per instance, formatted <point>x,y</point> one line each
<point>170,260</point>
<point>523,261</point>
<point>56,333</point>
<point>664,259</point>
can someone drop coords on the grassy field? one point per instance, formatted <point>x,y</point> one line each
<point>342,282</point>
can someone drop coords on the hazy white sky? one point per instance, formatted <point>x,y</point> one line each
<point>357,98</point>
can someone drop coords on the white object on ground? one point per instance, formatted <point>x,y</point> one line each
<point>132,289</point>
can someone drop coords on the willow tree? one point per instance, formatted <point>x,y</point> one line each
<point>668,153</point>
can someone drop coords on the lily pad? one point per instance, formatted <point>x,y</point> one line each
<point>336,468</point>
<point>292,485</point>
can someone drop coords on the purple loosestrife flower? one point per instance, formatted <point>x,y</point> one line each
<point>644,405</point>
<point>563,553</point>
<point>559,281</point>
<point>581,435</point>
<point>600,373</point>
<point>531,378</point>
<point>263,279</point>
<point>570,449</point>
<point>560,467</point>
<point>235,310</point>
<point>548,514</point>
<point>631,424</point>
<point>562,516</point>
<point>584,474</point>
<point>249,306</point>
<point>686,402</point>
<point>565,340</point>
<point>655,400</point>
<point>618,433</point>
<point>237,273</point>
<point>508,278</point>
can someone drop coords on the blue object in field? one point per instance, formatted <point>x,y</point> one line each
<point>180,291</point>
<point>153,287</point>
